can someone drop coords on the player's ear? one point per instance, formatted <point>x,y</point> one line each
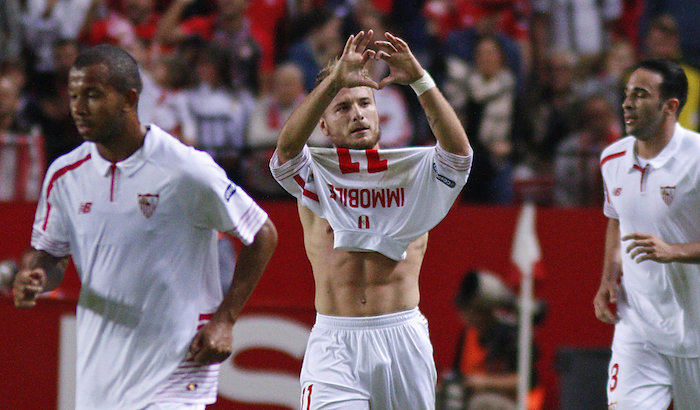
<point>324,127</point>
<point>131,99</point>
<point>672,105</point>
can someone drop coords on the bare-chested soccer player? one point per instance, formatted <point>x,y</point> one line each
<point>365,213</point>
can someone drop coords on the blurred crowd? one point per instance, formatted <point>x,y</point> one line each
<point>537,83</point>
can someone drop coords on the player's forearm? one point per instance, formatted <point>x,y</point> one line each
<point>444,122</point>
<point>688,252</point>
<point>304,118</point>
<point>612,266</point>
<point>249,269</point>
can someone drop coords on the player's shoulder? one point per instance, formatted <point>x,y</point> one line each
<point>691,140</point>
<point>166,151</point>
<point>616,150</point>
<point>71,159</point>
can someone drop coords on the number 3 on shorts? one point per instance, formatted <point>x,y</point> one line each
<point>614,370</point>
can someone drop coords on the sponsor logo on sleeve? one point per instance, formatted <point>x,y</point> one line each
<point>230,190</point>
<point>450,183</point>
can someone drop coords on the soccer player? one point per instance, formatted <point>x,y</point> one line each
<point>365,214</point>
<point>138,212</point>
<point>651,268</point>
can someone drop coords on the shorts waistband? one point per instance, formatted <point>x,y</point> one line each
<point>366,322</point>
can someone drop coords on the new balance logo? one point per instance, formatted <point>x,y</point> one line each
<point>85,208</point>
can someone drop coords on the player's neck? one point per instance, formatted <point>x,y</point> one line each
<point>122,148</point>
<point>651,147</point>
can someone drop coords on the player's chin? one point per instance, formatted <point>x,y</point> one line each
<point>365,142</point>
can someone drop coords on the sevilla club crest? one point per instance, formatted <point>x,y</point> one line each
<point>667,193</point>
<point>148,203</point>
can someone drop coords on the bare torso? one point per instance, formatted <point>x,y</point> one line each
<point>359,283</point>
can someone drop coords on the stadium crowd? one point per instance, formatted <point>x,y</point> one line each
<point>537,83</point>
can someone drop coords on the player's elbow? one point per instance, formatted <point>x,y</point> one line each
<point>266,238</point>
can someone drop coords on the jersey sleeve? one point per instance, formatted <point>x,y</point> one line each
<point>219,204</point>
<point>49,232</point>
<point>296,177</point>
<point>452,167</point>
<point>608,207</point>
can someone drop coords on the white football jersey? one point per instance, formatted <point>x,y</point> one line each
<point>375,200</point>
<point>142,234</point>
<point>660,302</point>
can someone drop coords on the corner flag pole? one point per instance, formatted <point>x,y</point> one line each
<point>524,254</point>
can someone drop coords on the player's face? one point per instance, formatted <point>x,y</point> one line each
<point>96,107</point>
<point>643,106</point>
<point>351,120</point>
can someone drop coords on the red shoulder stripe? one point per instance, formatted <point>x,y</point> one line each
<point>611,156</point>
<point>55,177</point>
<point>306,192</point>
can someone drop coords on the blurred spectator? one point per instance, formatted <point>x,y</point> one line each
<point>407,20</point>
<point>610,80</point>
<point>221,113</point>
<point>49,103</point>
<point>628,27</point>
<point>582,26</point>
<point>321,43</point>
<point>685,13</point>
<point>10,30</point>
<point>266,18</point>
<point>16,71</point>
<point>46,21</point>
<point>553,92</point>
<point>227,28</point>
<point>272,110</point>
<point>487,354</point>
<point>269,115</point>
<point>138,20</point>
<point>505,20</point>
<point>170,110</point>
<point>483,95</point>
<point>663,41</point>
<point>577,180</point>
<point>549,97</point>
<point>22,163</point>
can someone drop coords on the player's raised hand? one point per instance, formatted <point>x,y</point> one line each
<point>351,69</point>
<point>404,68</point>
<point>648,247</point>
<point>27,286</point>
<point>213,343</point>
<point>604,299</point>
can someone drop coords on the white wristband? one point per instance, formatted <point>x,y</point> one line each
<point>423,84</point>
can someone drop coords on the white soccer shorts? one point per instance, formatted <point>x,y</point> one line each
<point>378,362</point>
<point>641,378</point>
